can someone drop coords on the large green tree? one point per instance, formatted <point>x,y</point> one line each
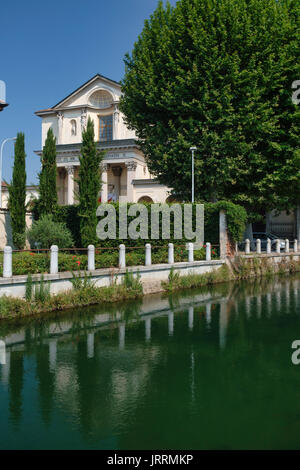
<point>218,74</point>
<point>17,194</point>
<point>47,177</point>
<point>89,183</point>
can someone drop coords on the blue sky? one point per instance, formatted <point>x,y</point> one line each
<point>48,49</point>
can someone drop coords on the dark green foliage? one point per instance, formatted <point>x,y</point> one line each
<point>89,185</point>
<point>48,193</point>
<point>46,232</point>
<point>17,194</point>
<point>68,215</point>
<point>236,222</point>
<point>217,74</point>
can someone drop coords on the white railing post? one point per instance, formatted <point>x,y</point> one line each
<point>295,246</point>
<point>7,262</point>
<point>208,251</point>
<point>191,252</point>
<point>277,246</point>
<point>269,246</point>
<point>54,259</point>
<point>171,253</point>
<point>91,258</point>
<point>148,255</point>
<point>122,256</point>
<point>287,246</point>
<point>258,246</point>
<point>247,246</point>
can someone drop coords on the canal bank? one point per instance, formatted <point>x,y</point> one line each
<point>126,284</point>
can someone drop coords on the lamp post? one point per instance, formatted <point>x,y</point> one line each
<point>1,152</point>
<point>193,149</point>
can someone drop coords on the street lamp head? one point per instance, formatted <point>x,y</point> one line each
<point>193,149</point>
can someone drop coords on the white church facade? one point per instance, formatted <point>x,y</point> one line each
<point>125,175</point>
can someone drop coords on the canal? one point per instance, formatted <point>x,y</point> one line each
<point>201,369</point>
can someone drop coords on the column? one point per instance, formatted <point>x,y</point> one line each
<point>70,176</point>
<point>171,323</point>
<point>122,336</point>
<point>223,234</point>
<point>131,167</point>
<point>148,329</point>
<point>52,354</point>
<point>104,191</point>
<point>223,324</point>
<point>208,314</point>
<point>90,345</point>
<point>5,369</point>
<point>191,318</point>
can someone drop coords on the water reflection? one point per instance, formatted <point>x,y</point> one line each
<point>184,364</point>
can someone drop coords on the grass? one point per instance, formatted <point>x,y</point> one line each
<point>239,269</point>
<point>82,294</point>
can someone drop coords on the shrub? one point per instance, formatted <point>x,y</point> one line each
<point>46,232</point>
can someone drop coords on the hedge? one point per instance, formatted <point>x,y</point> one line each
<point>236,222</point>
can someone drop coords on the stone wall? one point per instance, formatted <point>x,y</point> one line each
<point>151,277</point>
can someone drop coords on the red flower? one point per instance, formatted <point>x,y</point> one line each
<point>31,254</point>
<point>78,262</point>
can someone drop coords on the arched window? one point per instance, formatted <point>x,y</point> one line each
<point>73,127</point>
<point>145,199</point>
<point>101,99</point>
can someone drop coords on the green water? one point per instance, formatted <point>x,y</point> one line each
<point>207,369</point>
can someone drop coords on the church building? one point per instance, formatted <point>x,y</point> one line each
<point>125,175</point>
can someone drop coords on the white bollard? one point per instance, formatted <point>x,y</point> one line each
<point>122,256</point>
<point>91,258</point>
<point>277,246</point>
<point>258,246</point>
<point>247,247</point>
<point>208,251</point>
<point>287,246</point>
<point>269,246</point>
<point>54,259</point>
<point>191,252</point>
<point>7,261</point>
<point>148,255</point>
<point>295,246</point>
<point>171,253</point>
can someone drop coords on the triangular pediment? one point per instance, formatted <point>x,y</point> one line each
<point>81,96</point>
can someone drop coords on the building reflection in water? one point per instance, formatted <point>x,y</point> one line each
<point>100,381</point>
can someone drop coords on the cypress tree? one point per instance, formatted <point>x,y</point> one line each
<point>89,183</point>
<point>47,177</point>
<point>17,194</point>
